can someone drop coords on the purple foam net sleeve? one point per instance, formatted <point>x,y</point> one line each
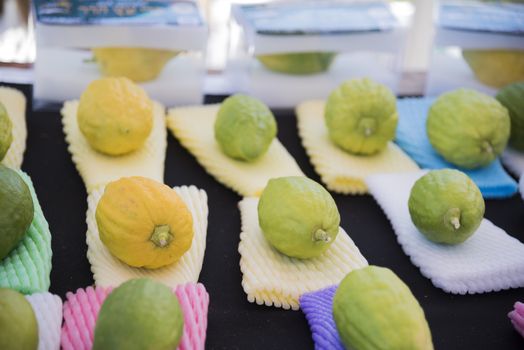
<point>317,306</point>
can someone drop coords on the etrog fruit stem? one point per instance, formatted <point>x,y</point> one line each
<point>453,217</point>
<point>321,235</point>
<point>367,126</point>
<point>487,147</point>
<point>455,222</point>
<point>161,236</point>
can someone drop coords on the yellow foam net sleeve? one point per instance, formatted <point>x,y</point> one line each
<point>109,271</point>
<point>97,169</point>
<point>271,278</point>
<point>15,103</point>
<point>341,171</point>
<point>194,128</point>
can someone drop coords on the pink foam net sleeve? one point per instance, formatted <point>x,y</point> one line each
<point>517,317</point>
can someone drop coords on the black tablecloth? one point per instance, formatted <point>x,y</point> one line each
<point>457,322</point>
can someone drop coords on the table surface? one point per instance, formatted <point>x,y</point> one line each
<point>457,322</point>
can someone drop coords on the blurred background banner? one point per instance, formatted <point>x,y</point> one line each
<point>437,51</point>
<point>18,49</point>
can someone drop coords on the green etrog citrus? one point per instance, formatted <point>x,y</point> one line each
<point>140,314</point>
<point>300,63</point>
<point>244,127</point>
<point>374,310</point>
<point>512,97</point>
<point>6,131</point>
<point>18,324</point>
<point>361,116</point>
<point>298,216</point>
<point>468,128</point>
<point>115,115</point>
<point>446,206</point>
<point>16,210</point>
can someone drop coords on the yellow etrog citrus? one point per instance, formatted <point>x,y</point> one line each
<point>144,223</point>
<point>115,115</point>
<point>496,67</point>
<point>137,64</point>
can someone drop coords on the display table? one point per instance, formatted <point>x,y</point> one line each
<point>456,322</point>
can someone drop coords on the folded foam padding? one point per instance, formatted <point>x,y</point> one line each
<point>492,180</point>
<point>14,102</point>
<point>48,311</point>
<point>27,268</point>
<point>514,161</point>
<point>341,171</point>
<point>271,278</point>
<point>517,317</point>
<point>318,308</point>
<point>194,128</point>
<point>97,169</point>
<point>81,311</point>
<point>110,271</point>
<point>490,260</point>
